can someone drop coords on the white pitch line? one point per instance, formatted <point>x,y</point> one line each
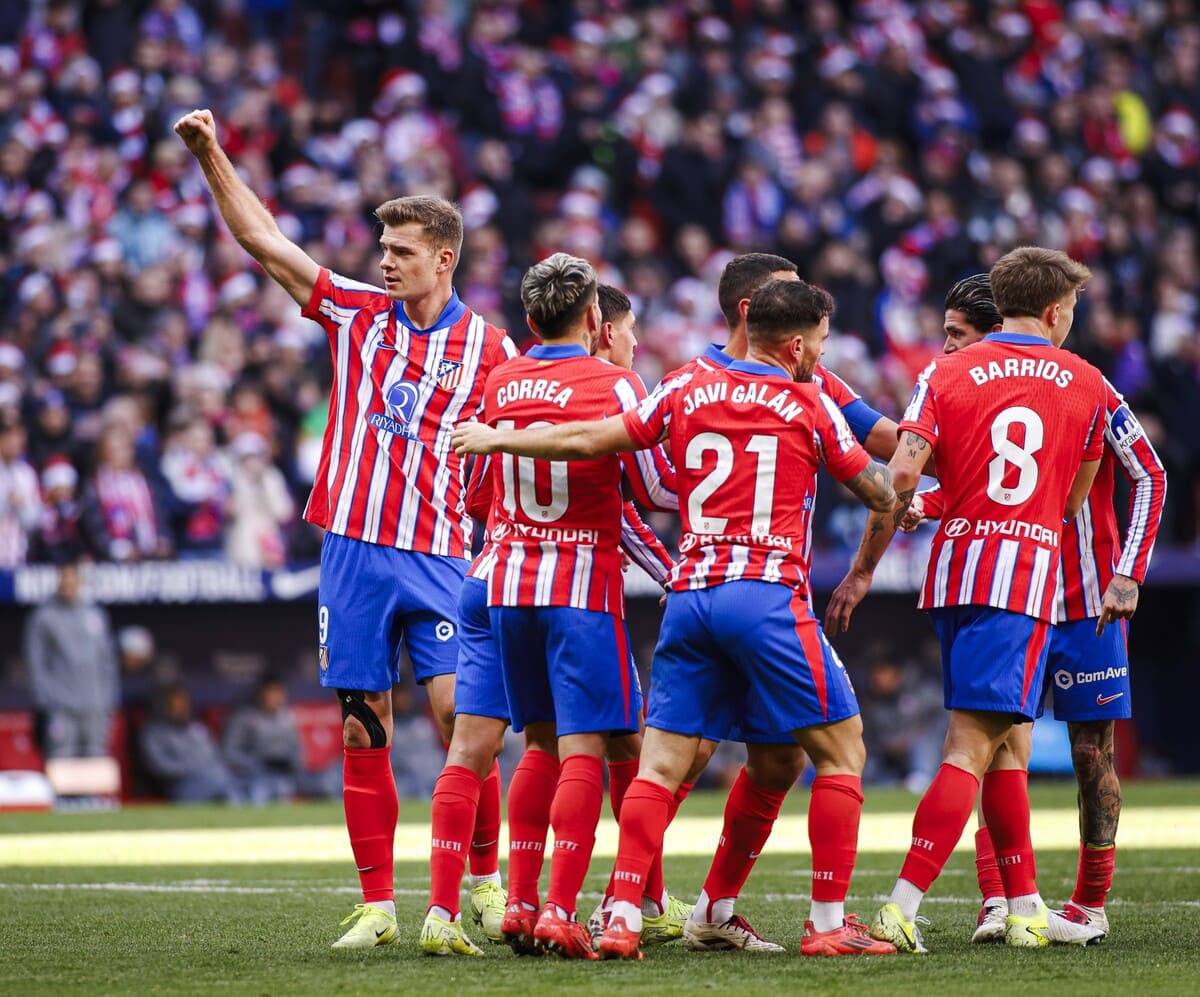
<point>1147,828</point>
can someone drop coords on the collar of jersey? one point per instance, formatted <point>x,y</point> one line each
<point>759,369</point>
<point>453,311</point>
<point>1019,338</point>
<point>545,352</point>
<point>717,355</point>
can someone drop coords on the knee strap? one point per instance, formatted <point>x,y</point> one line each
<point>354,704</point>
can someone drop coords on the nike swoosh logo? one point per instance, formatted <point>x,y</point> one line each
<point>380,934</point>
<point>753,855</point>
<point>1105,700</point>
<point>484,844</point>
<point>293,584</point>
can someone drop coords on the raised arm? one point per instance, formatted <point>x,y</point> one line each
<point>907,462</point>
<point>566,441</point>
<point>248,219</point>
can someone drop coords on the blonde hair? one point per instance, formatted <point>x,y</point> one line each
<point>439,218</point>
<point>556,292</point>
<point>1029,279</point>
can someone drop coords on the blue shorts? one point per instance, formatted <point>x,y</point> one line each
<point>1089,675</point>
<point>372,598</point>
<point>992,659</point>
<point>479,682</point>
<point>747,659</point>
<point>571,667</point>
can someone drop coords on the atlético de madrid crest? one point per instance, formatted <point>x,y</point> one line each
<point>449,374</point>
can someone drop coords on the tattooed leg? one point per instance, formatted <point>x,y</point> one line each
<point>1099,788</point>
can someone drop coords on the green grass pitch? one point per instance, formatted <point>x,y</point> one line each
<point>69,927</point>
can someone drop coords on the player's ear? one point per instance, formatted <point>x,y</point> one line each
<point>532,328</point>
<point>606,335</point>
<point>743,307</point>
<point>445,259</point>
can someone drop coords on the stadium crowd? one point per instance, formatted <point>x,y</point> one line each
<point>159,396</point>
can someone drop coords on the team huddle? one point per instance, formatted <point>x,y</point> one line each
<point>436,422</point>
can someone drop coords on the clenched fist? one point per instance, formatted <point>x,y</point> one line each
<point>198,131</point>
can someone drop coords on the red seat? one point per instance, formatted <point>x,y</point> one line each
<point>320,726</point>
<point>17,750</point>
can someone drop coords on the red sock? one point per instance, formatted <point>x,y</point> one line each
<point>938,823</point>
<point>833,816</point>
<point>645,813</point>
<point>574,815</point>
<point>620,776</point>
<point>529,795</point>
<point>986,870</point>
<point>455,801</point>
<point>369,796</point>
<point>656,884</point>
<point>750,814</point>
<point>1095,875</point>
<point>1006,810</point>
<point>485,841</point>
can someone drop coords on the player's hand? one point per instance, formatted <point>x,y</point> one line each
<point>844,600</point>
<point>1120,602</point>
<point>474,437</point>
<point>198,131</point>
<point>913,515</point>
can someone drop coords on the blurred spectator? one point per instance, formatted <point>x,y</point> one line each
<point>59,537</point>
<point>198,487</point>
<point>904,722</point>
<point>262,749</point>
<point>259,505</point>
<point>122,517</point>
<point>180,755</point>
<point>20,498</point>
<point>73,676</point>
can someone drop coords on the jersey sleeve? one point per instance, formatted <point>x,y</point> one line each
<point>480,492</point>
<point>643,546</point>
<point>840,451</point>
<point>920,416</point>
<point>860,416</point>
<point>649,471</point>
<point>335,300</point>
<point>933,501</point>
<point>1135,454</point>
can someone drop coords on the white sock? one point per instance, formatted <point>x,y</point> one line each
<point>491,877</point>
<point>828,914</point>
<point>443,913</point>
<point>651,907</point>
<point>631,913</point>
<point>907,897</point>
<point>1025,905</point>
<point>387,906</point>
<point>712,911</point>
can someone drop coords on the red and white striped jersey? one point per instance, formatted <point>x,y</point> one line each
<point>1091,546</point>
<point>1010,419</point>
<point>388,474</point>
<point>558,523</point>
<point>747,441</point>
<point>639,542</point>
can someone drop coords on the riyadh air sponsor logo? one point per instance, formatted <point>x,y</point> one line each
<point>401,401</point>
<point>1065,680</point>
<point>1125,428</point>
<point>958,528</point>
<point>1105,700</point>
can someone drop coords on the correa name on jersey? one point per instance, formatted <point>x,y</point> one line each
<point>388,473</point>
<point>558,523</point>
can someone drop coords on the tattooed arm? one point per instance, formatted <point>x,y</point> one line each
<point>1120,602</point>
<point>911,456</point>
<point>873,486</point>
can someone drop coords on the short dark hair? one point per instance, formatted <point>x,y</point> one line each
<point>556,292</point>
<point>745,274</point>
<point>613,302</point>
<point>1029,279</point>
<point>781,308</point>
<point>973,297</point>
